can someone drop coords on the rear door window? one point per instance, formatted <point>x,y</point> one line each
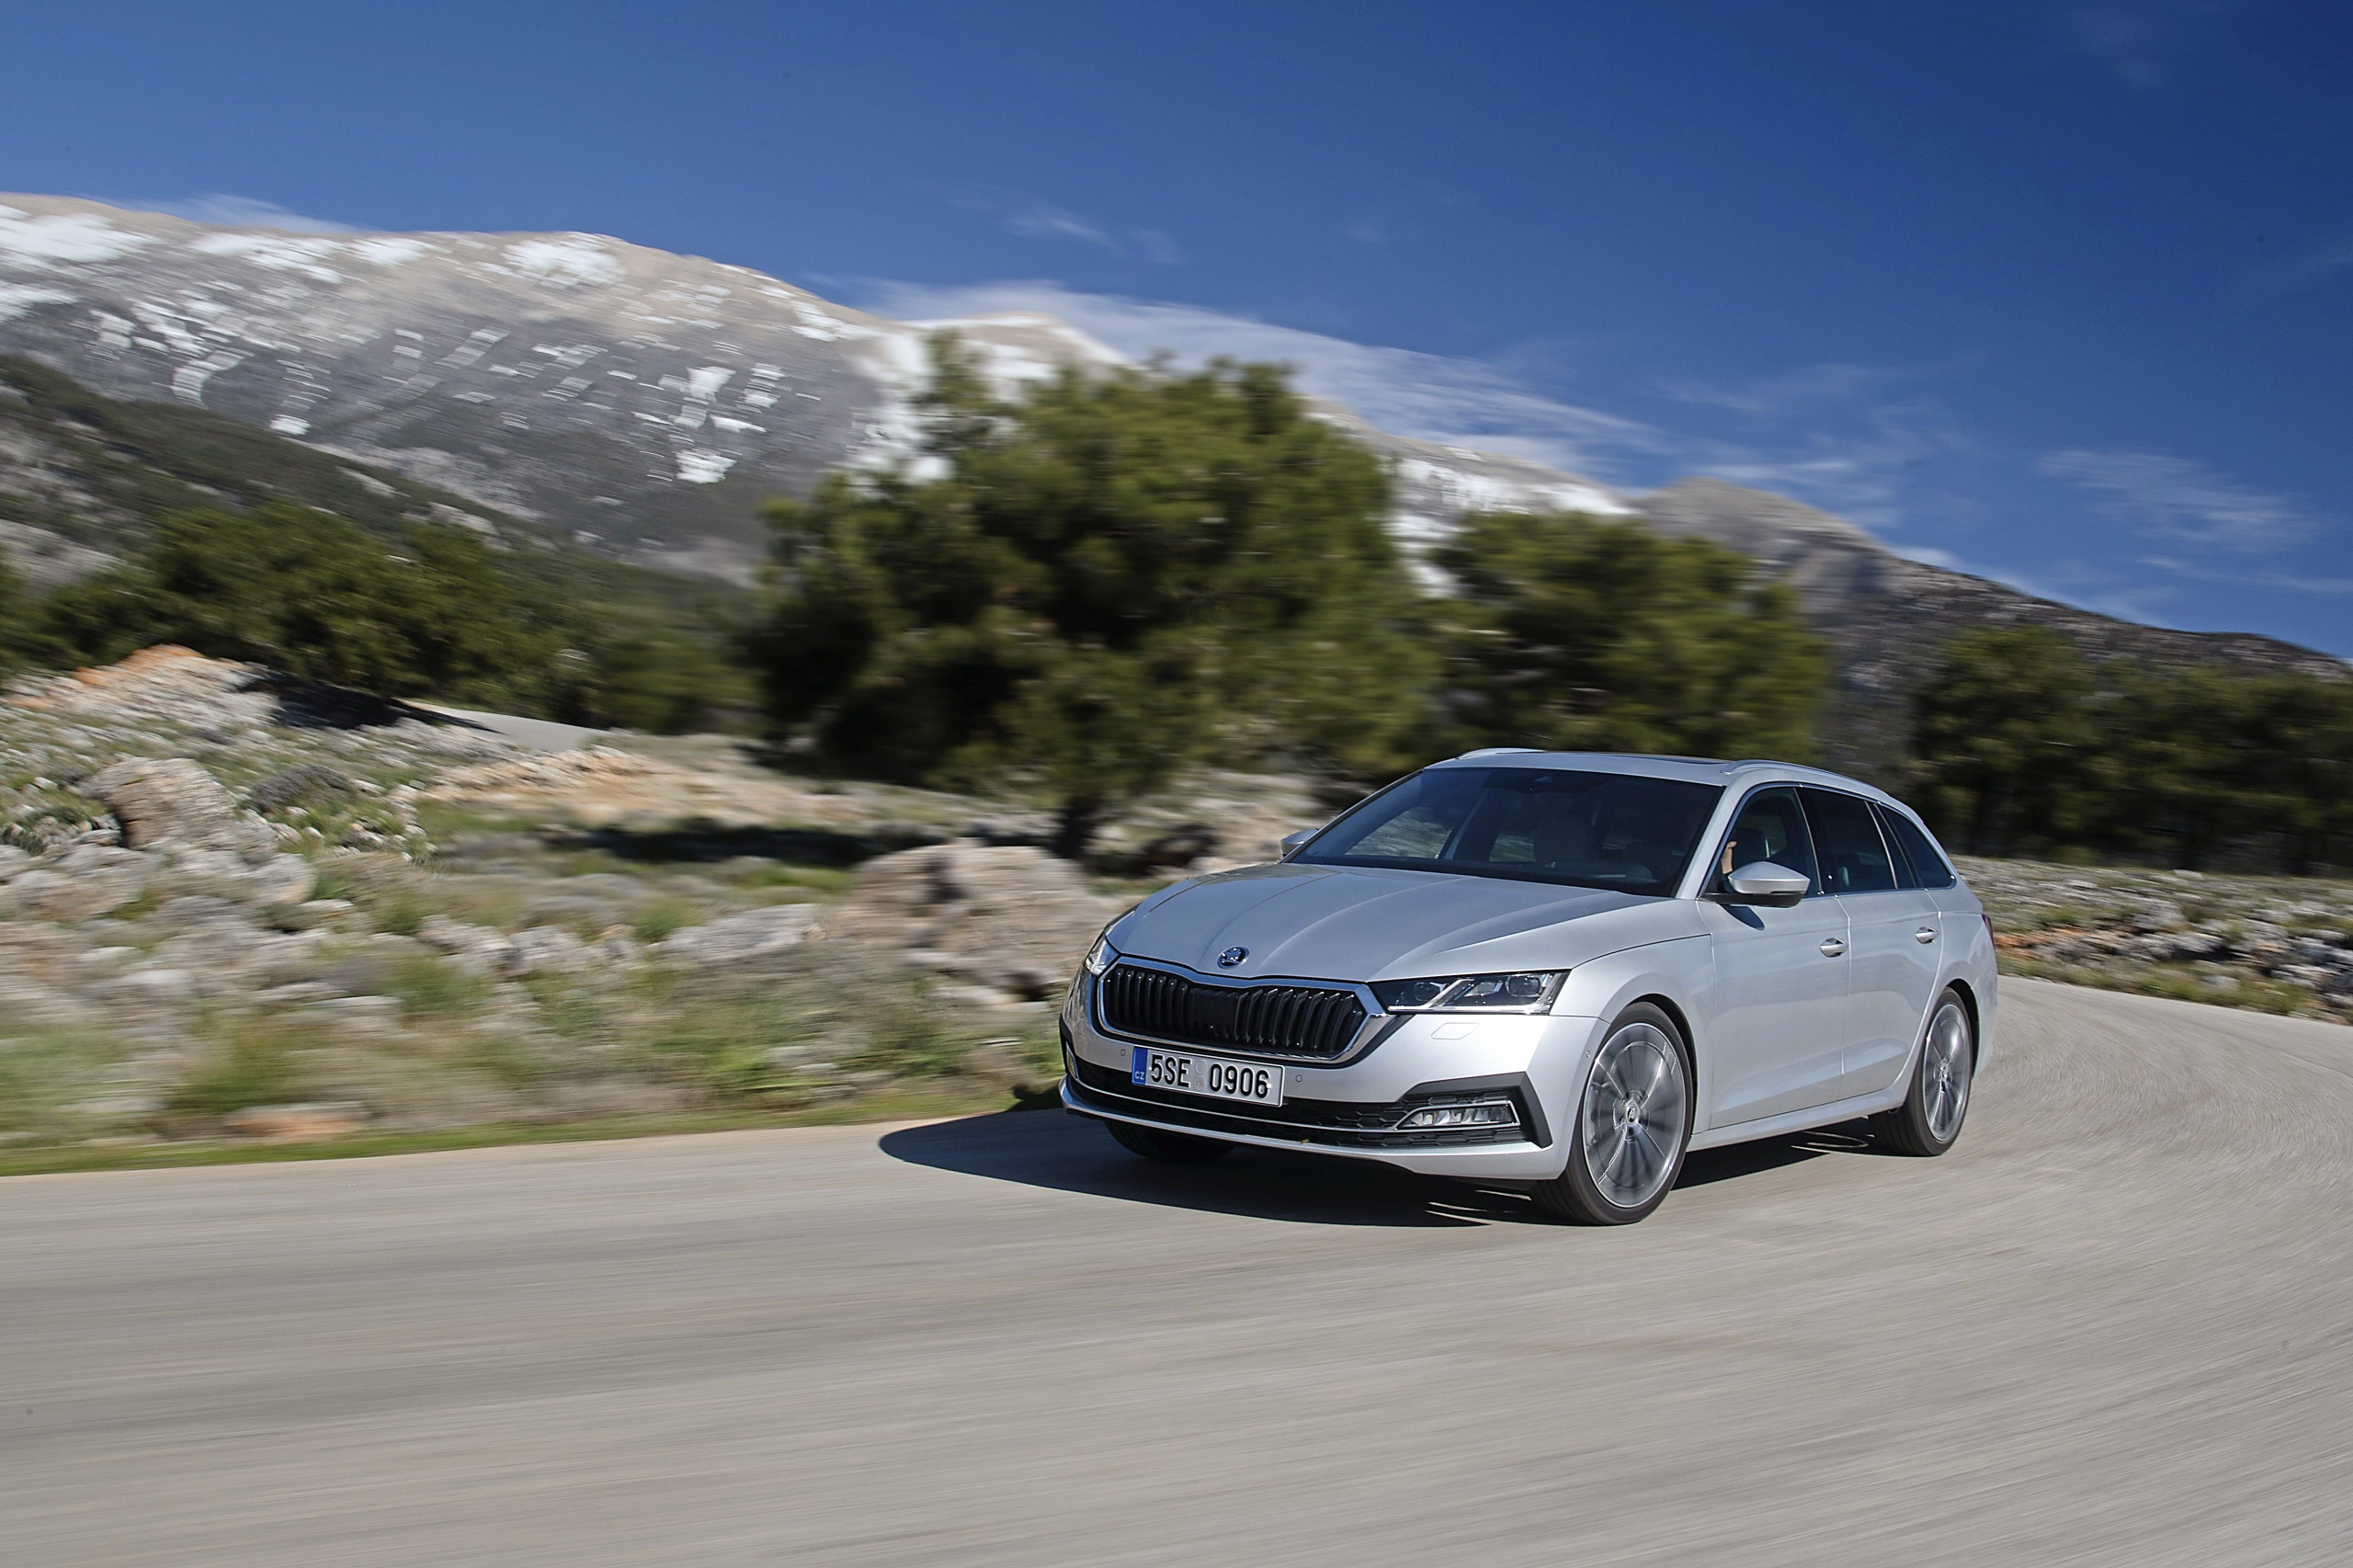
<point>1854,858</point>
<point>1918,848</point>
<point>1906,876</point>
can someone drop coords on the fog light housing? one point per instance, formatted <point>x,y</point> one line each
<point>1485,1113</point>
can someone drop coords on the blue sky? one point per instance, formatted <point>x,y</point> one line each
<point>2056,292</point>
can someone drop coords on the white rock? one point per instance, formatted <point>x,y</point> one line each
<point>547,950</point>
<point>457,937</point>
<point>154,987</point>
<point>733,938</point>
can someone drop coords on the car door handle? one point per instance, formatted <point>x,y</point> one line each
<point>1924,933</point>
<point>1832,947</point>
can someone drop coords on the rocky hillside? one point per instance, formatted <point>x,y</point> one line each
<point>84,478</point>
<point>235,906</point>
<point>2277,944</point>
<point>641,404</point>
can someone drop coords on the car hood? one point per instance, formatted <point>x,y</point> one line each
<point>1362,923</point>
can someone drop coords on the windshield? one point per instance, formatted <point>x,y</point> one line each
<point>1594,830</point>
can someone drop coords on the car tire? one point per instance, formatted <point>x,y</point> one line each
<point>1928,1122</point>
<point>1168,1148</point>
<point>1633,1120</point>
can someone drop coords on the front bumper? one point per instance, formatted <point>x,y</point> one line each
<point>1351,1109</point>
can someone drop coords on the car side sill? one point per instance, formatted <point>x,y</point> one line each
<point>1798,1120</point>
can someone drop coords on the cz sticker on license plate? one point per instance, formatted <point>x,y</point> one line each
<point>1212,1076</point>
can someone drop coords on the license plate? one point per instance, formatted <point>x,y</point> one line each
<point>1212,1076</point>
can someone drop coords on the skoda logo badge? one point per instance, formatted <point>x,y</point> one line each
<point>1231,957</point>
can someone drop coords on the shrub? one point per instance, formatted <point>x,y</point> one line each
<point>430,987</point>
<point>255,1065</point>
<point>656,921</point>
<point>43,1073</point>
<point>303,785</point>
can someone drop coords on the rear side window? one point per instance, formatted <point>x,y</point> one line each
<point>1771,827</point>
<point>1854,858</point>
<point>1918,847</point>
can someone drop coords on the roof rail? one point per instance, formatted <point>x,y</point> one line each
<point>1500,751</point>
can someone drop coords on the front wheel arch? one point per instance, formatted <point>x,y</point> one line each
<point>1689,1040</point>
<point>1581,1194</point>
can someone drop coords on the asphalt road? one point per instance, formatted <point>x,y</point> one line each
<point>2116,1327</point>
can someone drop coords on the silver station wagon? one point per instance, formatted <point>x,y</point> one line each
<point>1557,971</point>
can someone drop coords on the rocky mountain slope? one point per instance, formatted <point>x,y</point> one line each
<point>642,404</point>
<point>1887,618</point>
<point>84,478</point>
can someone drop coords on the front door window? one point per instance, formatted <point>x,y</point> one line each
<point>1779,1030</point>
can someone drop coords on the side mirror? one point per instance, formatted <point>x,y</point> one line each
<point>1292,841</point>
<point>1776,887</point>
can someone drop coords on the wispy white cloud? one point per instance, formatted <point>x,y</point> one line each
<point>1044,220</point>
<point>1431,397</point>
<point>2289,582</point>
<point>1848,454</point>
<point>2309,267</point>
<point>1034,218</point>
<point>1154,245</point>
<point>2169,497</point>
<point>2139,41</point>
<point>1796,392</point>
<point>236,212</point>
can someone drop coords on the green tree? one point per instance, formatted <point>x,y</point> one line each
<point>1096,586</point>
<point>2170,749</point>
<point>308,594</point>
<point>1571,632</point>
<point>2306,793</point>
<point>2206,760</point>
<point>634,672</point>
<point>2004,734</point>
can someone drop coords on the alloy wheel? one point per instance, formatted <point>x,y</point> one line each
<point>1944,1071</point>
<point>1635,1106</point>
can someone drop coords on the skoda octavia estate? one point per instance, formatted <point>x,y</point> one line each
<point>1551,970</point>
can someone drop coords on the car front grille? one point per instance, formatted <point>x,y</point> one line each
<point>1339,1124</point>
<point>1319,1022</point>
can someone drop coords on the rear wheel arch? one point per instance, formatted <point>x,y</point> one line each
<point>1967,995</point>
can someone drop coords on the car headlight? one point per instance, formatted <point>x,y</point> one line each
<point>1102,955</point>
<point>1522,991</point>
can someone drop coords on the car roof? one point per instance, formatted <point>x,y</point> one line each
<point>1741,773</point>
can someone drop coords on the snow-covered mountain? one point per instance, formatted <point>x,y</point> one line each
<point>647,403</point>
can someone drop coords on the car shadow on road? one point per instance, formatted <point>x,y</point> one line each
<point>1071,1154</point>
<point>1704,1167</point>
<point>1068,1154</point>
